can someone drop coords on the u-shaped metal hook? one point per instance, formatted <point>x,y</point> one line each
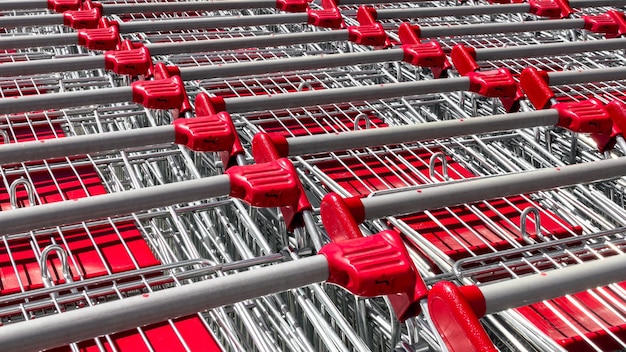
<point>5,137</point>
<point>362,116</point>
<point>305,84</point>
<point>444,166</point>
<point>45,274</point>
<point>13,192</point>
<point>523,221</point>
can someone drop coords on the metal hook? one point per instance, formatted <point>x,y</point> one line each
<point>523,221</point>
<point>444,166</point>
<point>45,274</point>
<point>5,137</point>
<point>358,119</point>
<point>305,84</point>
<point>13,192</point>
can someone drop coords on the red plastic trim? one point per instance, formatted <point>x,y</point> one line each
<point>267,147</point>
<point>208,133</point>
<point>409,34</point>
<point>341,217</point>
<point>292,5</point>
<point>456,321</point>
<point>588,116</point>
<point>536,86</point>
<point>620,19</point>
<point>464,59</point>
<point>369,32</point>
<point>602,24</point>
<point>494,83</point>
<point>80,19</point>
<point>617,112</point>
<point>105,38</point>
<point>272,184</point>
<point>550,8</point>
<point>328,17</point>
<point>475,298</point>
<point>424,55</point>
<point>371,266</point>
<point>64,5</point>
<point>168,93</point>
<point>133,62</point>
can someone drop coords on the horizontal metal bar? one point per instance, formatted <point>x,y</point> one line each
<point>422,12</point>
<point>247,42</point>
<point>8,5</point>
<point>108,205</point>
<point>419,132</point>
<point>211,22</point>
<point>31,20</point>
<point>554,283</point>
<point>340,95</point>
<point>474,190</point>
<point>290,64</point>
<point>586,76</point>
<point>111,9</point>
<point>523,51</point>
<point>34,67</point>
<point>65,100</point>
<point>594,3</point>
<point>85,144</point>
<point>32,41</point>
<point>107,318</point>
<point>492,28</point>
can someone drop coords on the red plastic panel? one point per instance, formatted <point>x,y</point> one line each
<point>569,336</point>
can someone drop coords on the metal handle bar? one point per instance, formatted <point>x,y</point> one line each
<point>495,9</point>
<point>549,49</point>
<point>555,283</point>
<point>52,65</point>
<point>26,219</point>
<point>8,5</point>
<point>473,190</point>
<point>586,76</point>
<point>129,313</point>
<point>85,144</point>
<point>212,22</point>
<point>30,21</point>
<point>29,41</point>
<point>492,28</point>
<point>247,42</point>
<point>151,7</point>
<point>330,96</point>
<point>419,132</point>
<point>66,99</point>
<point>290,64</point>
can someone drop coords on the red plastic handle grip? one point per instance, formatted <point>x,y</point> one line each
<point>100,38</point>
<point>588,116</point>
<point>168,93</point>
<point>207,134</point>
<point>133,62</point>
<point>371,266</point>
<point>494,83</point>
<point>272,184</point>
<point>64,5</point>
<point>82,18</point>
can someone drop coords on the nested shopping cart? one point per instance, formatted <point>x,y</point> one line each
<point>266,91</point>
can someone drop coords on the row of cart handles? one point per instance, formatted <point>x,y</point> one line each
<point>366,266</point>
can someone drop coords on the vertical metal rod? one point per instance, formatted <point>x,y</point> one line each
<point>107,318</point>
<point>554,283</point>
<point>107,205</point>
<point>85,144</point>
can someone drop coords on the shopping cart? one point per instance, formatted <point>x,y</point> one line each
<point>291,92</point>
